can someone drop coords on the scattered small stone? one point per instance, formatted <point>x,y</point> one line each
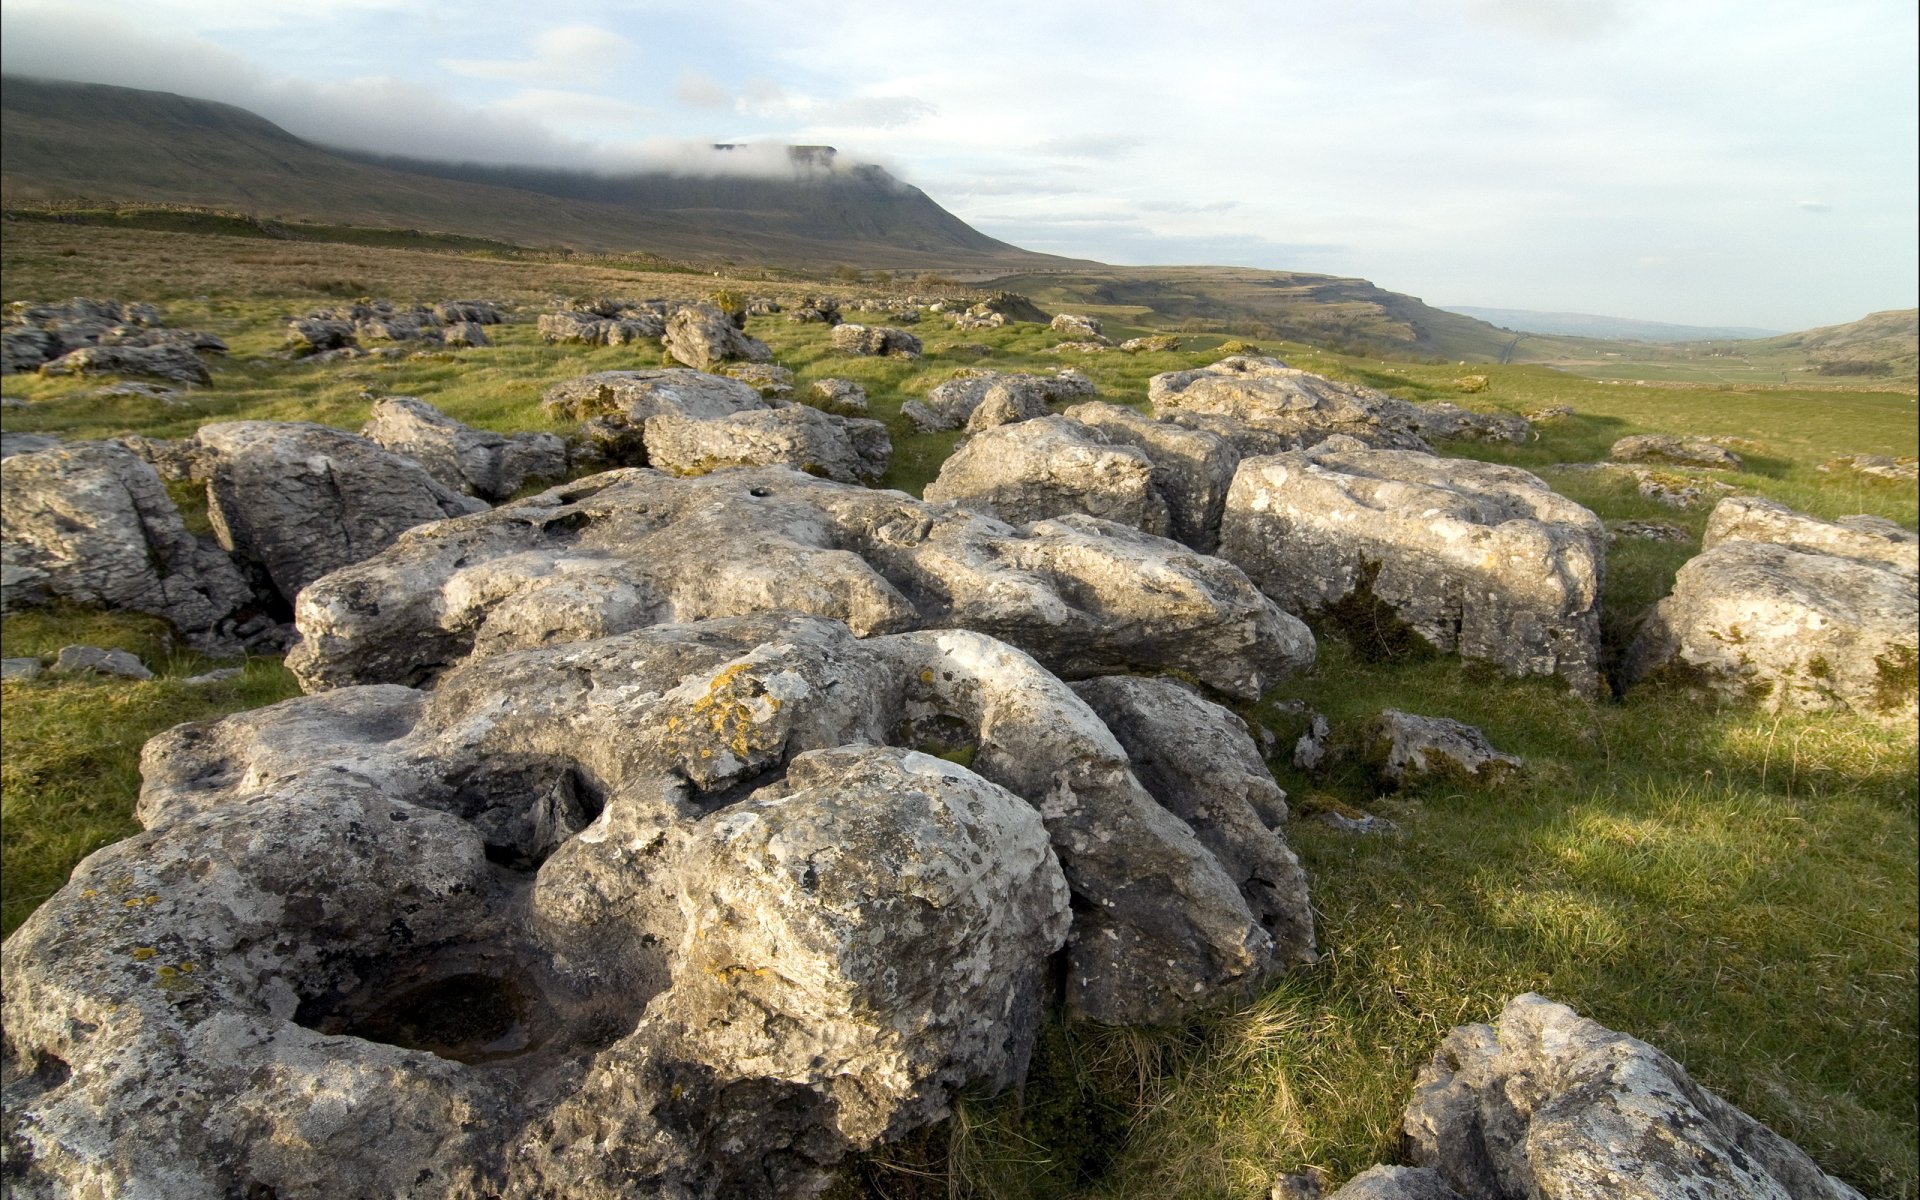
<point>215,676</point>
<point>1159,343</point>
<point>1471,383</point>
<point>1549,414</point>
<point>1100,347</point>
<point>1311,750</point>
<point>21,668</point>
<point>1877,466</point>
<point>1406,749</point>
<point>92,660</point>
<point>1303,1185</point>
<point>1365,823</point>
<point>1680,452</point>
<point>1648,531</point>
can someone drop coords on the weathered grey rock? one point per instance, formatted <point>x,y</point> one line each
<point>1675,451</point>
<point>217,675</point>
<point>772,382</point>
<point>590,329</point>
<point>1648,531</point>
<point>637,395</point>
<point>1869,539</point>
<point>841,396</point>
<point>1274,401</point>
<point>1549,414</point>
<point>1050,467</point>
<point>24,348</point>
<point>90,523</point>
<point>1396,1183</point>
<point>312,335</point>
<point>847,449</point>
<point>464,333</point>
<point>1446,421</point>
<point>819,310</point>
<point>1877,466</point>
<point>38,334</point>
<point>26,443</point>
<point>472,461</point>
<point>875,340</point>
<point>950,405</point>
<point>21,669</point>
<point>177,364</point>
<point>978,318</point>
<point>1548,1103</point>
<point>1158,343</point>
<point>474,312</point>
<point>1478,559</point>
<point>1075,326</point>
<point>93,660</point>
<point>700,335</point>
<point>631,548</point>
<point>1404,749</point>
<point>302,500</point>
<point>1794,628</point>
<point>1007,404</point>
<point>726,937</point>
<point>1192,469</point>
<point>1312,747</point>
<point>1199,761</point>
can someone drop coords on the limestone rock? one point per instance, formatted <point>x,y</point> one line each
<point>476,312</point>
<point>1549,414</point>
<point>1049,467</point>
<point>1478,559</point>
<point>818,310</point>
<point>90,523</point>
<point>26,443</point>
<point>1199,761</point>
<point>591,329</point>
<point>1404,749</point>
<point>1449,422</point>
<point>1085,328</point>
<point>313,335</point>
<point>1799,629</point>
<point>636,395</point>
<point>1648,531</point>
<point>177,364</point>
<point>631,548</point>
<point>1275,401</point>
<point>847,449</point>
<point>302,499</point>
<point>1548,1103</point>
<point>1159,343</point>
<point>1877,466</point>
<point>475,462</point>
<point>92,660</point>
<point>950,405</point>
<point>1192,469</point>
<point>841,396</point>
<point>772,382</point>
<point>875,340</point>
<point>21,669</point>
<point>1396,1183</point>
<point>700,335</point>
<point>464,333</point>
<point>1869,539</point>
<point>1673,451</point>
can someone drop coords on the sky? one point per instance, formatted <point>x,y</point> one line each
<point>1715,162</point>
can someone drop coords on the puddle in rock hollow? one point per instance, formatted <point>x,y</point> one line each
<point>468,1017</point>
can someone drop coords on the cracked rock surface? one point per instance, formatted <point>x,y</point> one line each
<point>1264,406</point>
<point>476,462</point>
<point>637,547</point>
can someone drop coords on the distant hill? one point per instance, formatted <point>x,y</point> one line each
<point>1882,343</point>
<point>1588,325</point>
<point>70,142</point>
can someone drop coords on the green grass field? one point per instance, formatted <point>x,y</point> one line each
<point>1735,887</point>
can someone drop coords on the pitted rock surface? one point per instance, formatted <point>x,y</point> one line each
<point>302,500</point>
<point>1192,469</point>
<point>637,395</point>
<point>1478,559</point>
<point>591,329</point>
<point>476,462</point>
<point>1547,1103</point>
<point>176,364</point>
<point>875,340</point>
<point>90,523</point>
<point>1396,1183</point>
<point>1796,629</point>
<point>1675,451</point>
<point>1869,539</point>
<point>951,405</point>
<point>1447,421</point>
<point>1048,467</point>
<point>712,921</point>
<point>635,547</point>
<point>700,335</point>
<point>771,381</point>
<point>1404,749</point>
<point>1280,407</point>
<point>846,449</point>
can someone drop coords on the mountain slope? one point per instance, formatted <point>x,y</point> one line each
<point>1588,325</point>
<point>66,142</point>
<point>1882,343</point>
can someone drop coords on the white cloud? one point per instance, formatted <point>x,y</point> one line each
<point>1813,206</point>
<point>701,92</point>
<point>566,54</point>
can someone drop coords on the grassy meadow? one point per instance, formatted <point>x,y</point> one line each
<point>1736,887</point>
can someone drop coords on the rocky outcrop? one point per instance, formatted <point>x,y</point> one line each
<point>1049,467</point>
<point>634,396</point>
<point>339,328</point>
<point>875,340</point>
<point>1192,469</point>
<point>1803,630</point>
<point>1482,560</point>
<point>1673,451</point>
<point>591,329</point>
<point>951,405</point>
<point>1445,421</point>
<point>679,911</point>
<point>1158,343</point>
<point>632,548</point>
<point>1265,406</point>
<point>846,449</point>
<point>475,462</point>
<point>1548,1103</point>
<point>1402,750</point>
<point>175,364</point>
<point>302,500</point>
<point>1079,328</point>
<point>771,381</point>
<point>841,396</point>
<point>90,523</point>
<point>1395,1183</point>
<point>1877,466</point>
<point>26,443</point>
<point>93,660</point>
<point>1868,539</point>
<point>37,335</point>
<point>701,336</point>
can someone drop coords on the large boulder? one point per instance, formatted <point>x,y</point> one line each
<point>1673,451</point>
<point>1446,421</point>
<point>1281,407</point>
<point>951,404</point>
<point>176,364</point>
<point>90,523</point>
<point>1048,467</point>
<point>636,395</point>
<point>682,911</point>
<point>700,335</point>
<point>875,340</point>
<point>636,547</point>
<point>476,462</point>
<point>847,449</point>
<point>591,329</point>
<point>1547,1103</point>
<point>1192,468</point>
<point>302,500</point>
<point>1796,629</point>
<point>1476,558</point>
<point>1076,326</point>
<point>1869,539</point>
